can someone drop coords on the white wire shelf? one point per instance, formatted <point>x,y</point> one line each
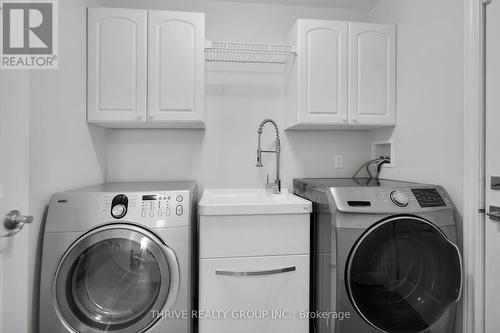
<point>247,53</point>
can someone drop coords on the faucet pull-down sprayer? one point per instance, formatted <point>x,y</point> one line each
<point>277,182</point>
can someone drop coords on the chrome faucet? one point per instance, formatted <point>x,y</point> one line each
<point>277,182</point>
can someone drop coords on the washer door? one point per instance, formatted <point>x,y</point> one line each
<point>403,274</point>
<point>112,278</point>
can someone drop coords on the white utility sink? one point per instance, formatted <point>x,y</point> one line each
<point>251,201</point>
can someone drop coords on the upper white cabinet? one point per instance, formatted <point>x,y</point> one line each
<point>372,74</point>
<point>344,75</point>
<point>176,67</point>
<point>146,68</point>
<point>317,82</point>
<point>117,65</point>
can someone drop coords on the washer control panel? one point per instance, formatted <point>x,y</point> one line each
<point>412,198</point>
<point>428,197</point>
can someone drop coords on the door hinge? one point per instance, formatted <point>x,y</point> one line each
<point>486,2</point>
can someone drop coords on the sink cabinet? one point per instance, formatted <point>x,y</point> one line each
<point>254,262</point>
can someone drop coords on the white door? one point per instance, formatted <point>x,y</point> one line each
<point>372,74</point>
<point>176,68</point>
<point>322,71</point>
<point>117,65</point>
<point>492,225</point>
<point>14,188</point>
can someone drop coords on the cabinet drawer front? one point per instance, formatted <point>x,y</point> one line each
<point>276,290</point>
<point>254,235</point>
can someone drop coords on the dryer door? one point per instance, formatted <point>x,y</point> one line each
<point>403,274</point>
<point>113,278</point>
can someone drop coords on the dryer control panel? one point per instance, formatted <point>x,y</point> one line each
<point>160,209</point>
<point>164,204</point>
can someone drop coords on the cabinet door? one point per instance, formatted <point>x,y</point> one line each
<point>176,68</point>
<point>372,74</point>
<point>322,76</point>
<point>242,287</point>
<point>117,65</point>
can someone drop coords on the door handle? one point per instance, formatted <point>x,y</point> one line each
<point>14,222</point>
<point>257,273</point>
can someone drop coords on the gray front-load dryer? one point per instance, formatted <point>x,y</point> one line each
<point>384,256</point>
<point>119,257</point>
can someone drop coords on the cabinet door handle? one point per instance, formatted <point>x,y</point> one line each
<point>257,273</point>
<point>495,216</point>
<point>494,213</point>
<point>495,183</point>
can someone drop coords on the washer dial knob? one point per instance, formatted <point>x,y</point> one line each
<point>119,211</point>
<point>400,199</point>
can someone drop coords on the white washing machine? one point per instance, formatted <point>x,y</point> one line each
<point>384,252</point>
<point>118,258</point>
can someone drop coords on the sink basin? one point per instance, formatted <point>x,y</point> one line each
<point>251,202</point>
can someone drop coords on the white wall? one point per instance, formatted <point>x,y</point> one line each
<point>238,99</point>
<point>65,152</point>
<point>429,132</point>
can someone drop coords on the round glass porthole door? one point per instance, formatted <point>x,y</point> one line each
<point>403,274</point>
<point>113,278</point>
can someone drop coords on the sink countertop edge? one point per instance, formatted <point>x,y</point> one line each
<point>297,206</point>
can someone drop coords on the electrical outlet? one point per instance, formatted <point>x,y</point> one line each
<point>339,161</point>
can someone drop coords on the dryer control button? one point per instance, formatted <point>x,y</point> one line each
<point>118,211</point>
<point>179,198</point>
<point>400,199</point>
<point>179,210</point>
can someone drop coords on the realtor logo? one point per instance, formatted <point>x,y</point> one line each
<point>29,35</point>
